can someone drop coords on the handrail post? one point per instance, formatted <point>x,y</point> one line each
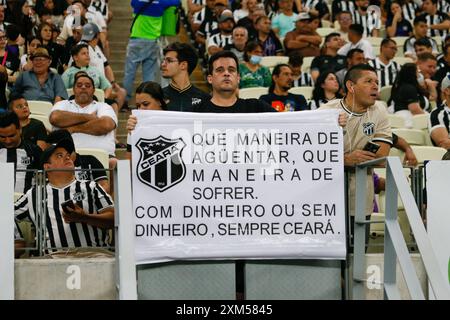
<point>359,237</point>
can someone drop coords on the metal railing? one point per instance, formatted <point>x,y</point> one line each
<point>394,243</point>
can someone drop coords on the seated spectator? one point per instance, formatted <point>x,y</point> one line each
<point>251,72</point>
<point>56,51</point>
<point>271,44</point>
<point>13,149</point>
<point>439,125</point>
<point>40,83</point>
<point>284,20</point>
<point>369,21</point>
<point>24,17</point>
<point>422,45</point>
<point>149,96</point>
<point>239,40</point>
<point>301,79</point>
<point>329,59</point>
<point>345,20</point>
<point>243,10</point>
<point>420,31</point>
<point>81,59</point>
<point>317,8</point>
<point>33,130</point>
<point>8,58</point>
<point>3,84</point>
<point>25,59</point>
<point>256,10</point>
<point>384,64</point>
<point>222,37</point>
<point>355,36</point>
<point>48,13</point>
<point>408,98</point>
<point>304,39</point>
<point>339,6</point>
<point>396,24</point>
<point>438,21</point>
<point>91,123</point>
<point>326,89</point>
<point>426,65</point>
<point>72,41</point>
<point>88,166</point>
<point>88,217</point>
<point>443,64</point>
<point>279,97</point>
<point>354,57</point>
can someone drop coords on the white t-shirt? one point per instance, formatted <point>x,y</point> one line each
<point>82,140</point>
<point>364,45</point>
<point>98,59</point>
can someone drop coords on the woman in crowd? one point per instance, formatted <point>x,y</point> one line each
<point>326,89</point>
<point>396,24</point>
<point>252,73</point>
<point>25,62</point>
<point>149,96</point>
<point>56,51</point>
<point>408,95</point>
<point>8,59</point>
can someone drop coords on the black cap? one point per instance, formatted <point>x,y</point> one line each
<point>47,153</point>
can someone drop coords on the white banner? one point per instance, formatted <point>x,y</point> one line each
<point>238,186</point>
<point>438,217</point>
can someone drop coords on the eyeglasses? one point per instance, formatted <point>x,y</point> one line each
<point>169,60</point>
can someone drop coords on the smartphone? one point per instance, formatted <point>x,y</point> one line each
<point>371,147</point>
<point>68,204</point>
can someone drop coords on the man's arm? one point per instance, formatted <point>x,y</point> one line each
<point>103,219</point>
<point>63,119</point>
<point>96,127</point>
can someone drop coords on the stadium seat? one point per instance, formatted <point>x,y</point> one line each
<point>101,155</point>
<point>40,107</point>
<point>256,92</point>
<point>306,66</point>
<point>323,32</point>
<point>412,136</point>
<point>44,120</point>
<point>385,93</point>
<point>420,122</point>
<point>396,121</point>
<point>402,60</point>
<point>99,93</point>
<point>327,24</point>
<point>305,91</point>
<point>272,61</point>
<point>424,153</point>
<point>375,42</point>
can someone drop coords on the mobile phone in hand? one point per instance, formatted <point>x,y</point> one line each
<point>68,204</point>
<point>371,147</point>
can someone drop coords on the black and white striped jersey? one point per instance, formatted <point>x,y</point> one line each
<point>368,21</point>
<point>304,80</point>
<point>443,6</point>
<point>440,118</point>
<point>59,234</point>
<point>409,10</point>
<point>342,5</point>
<point>408,46</point>
<point>101,6</point>
<point>88,163</point>
<point>439,17</point>
<point>219,40</point>
<point>25,157</point>
<point>386,73</point>
<point>319,5</point>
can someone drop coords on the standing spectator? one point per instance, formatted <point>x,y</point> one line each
<point>326,89</point>
<point>420,31</point>
<point>370,22</point>
<point>284,20</point>
<point>239,39</point>
<point>271,44</point>
<point>304,39</point>
<point>91,123</point>
<point>223,36</point>
<point>279,96</point>
<point>142,47</point>
<point>439,125</point>
<point>355,35</point>
<point>301,79</point>
<point>40,83</point>
<point>33,130</point>
<point>13,149</point>
<point>396,24</point>
<point>408,98</point>
<point>384,64</point>
<point>438,22</point>
<point>251,72</point>
<point>329,58</point>
<point>92,212</point>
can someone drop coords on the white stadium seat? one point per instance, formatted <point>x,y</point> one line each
<point>272,61</point>
<point>305,91</point>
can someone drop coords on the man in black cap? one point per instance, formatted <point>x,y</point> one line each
<point>223,36</point>
<point>78,213</point>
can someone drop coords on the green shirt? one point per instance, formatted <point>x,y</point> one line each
<point>260,78</point>
<point>169,22</point>
<point>147,27</point>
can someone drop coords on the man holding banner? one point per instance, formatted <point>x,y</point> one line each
<point>367,122</point>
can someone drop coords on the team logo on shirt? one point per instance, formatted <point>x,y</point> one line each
<point>369,128</point>
<point>25,161</point>
<point>79,196</point>
<point>196,101</point>
<point>160,165</point>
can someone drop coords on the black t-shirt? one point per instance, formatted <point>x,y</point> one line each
<point>34,131</point>
<point>184,100</point>
<point>291,102</point>
<point>11,61</point>
<point>403,27</point>
<point>407,94</point>
<point>89,162</point>
<point>325,62</point>
<point>240,106</point>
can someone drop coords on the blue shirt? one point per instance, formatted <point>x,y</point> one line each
<point>27,85</point>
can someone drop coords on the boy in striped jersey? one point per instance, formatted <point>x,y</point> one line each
<point>14,149</point>
<point>83,222</point>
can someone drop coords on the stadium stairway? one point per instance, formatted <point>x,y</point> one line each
<point>118,39</point>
